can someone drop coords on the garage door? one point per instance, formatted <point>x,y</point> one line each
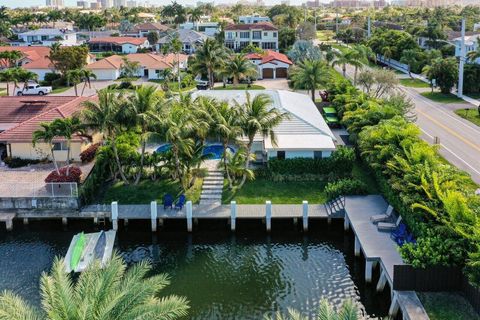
<point>281,72</point>
<point>267,73</point>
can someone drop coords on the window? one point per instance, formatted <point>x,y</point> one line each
<point>274,34</point>
<point>281,155</point>
<point>244,35</point>
<point>60,146</point>
<point>257,34</point>
<point>317,155</point>
<point>230,35</point>
<point>265,34</point>
<point>269,45</point>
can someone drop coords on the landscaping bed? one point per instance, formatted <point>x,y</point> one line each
<point>414,83</point>
<point>470,114</point>
<point>240,87</point>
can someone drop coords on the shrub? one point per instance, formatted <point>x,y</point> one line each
<point>88,154</point>
<point>74,175</point>
<point>59,83</point>
<point>125,85</point>
<point>50,77</point>
<point>345,187</point>
<point>16,162</point>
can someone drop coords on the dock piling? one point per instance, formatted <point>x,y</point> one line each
<point>153,215</point>
<point>25,221</point>
<point>268,215</point>
<point>305,215</point>
<point>346,223</point>
<point>9,224</point>
<point>368,271</point>
<point>189,216</point>
<point>64,221</point>
<point>381,282</point>
<point>115,215</point>
<point>233,215</point>
<point>357,247</point>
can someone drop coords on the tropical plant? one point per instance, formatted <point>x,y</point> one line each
<point>129,69</point>
<point>359,56</point>
<point>87,76</point>
<point>239,67</point>
<point>7,76</point>
<point>11,57</point>
<point>350,57</point>
<point>208,58</point>
<point>310,75</point>
<point>473,55</point>
<point>410,58</point>
<point>153,38</point>
<point>66,128</point>
<point>175,46</point>
<point>113,292</point>
<point>46,134</point>
<point>303,50</point>
<point>444,72</point>
<point>348,311</point>
<point>74,77</point>
<point>235,166</point>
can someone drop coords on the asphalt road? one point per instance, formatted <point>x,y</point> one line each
<point>459,139</point>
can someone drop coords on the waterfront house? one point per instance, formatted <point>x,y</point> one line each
<point>143,29</point>
<point>190,40</point>
<point>208,28</point>
<point>253,19</point>
<point>46,37</point>
<point>263,35</point>
<point>270,64</point>
<point>303,134</point>
<point>150,65</point>
<point>117,44</point>
<point>21,116</point>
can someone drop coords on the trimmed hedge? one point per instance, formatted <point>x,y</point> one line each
<point>16,162</point>
<point>345,187</point>
<point>88,154</point>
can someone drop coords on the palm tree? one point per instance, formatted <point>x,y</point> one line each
<point>67,128</point>
<point>208,58</point>
<point>175,46</point>
<point>348,311</point>
<point>358,57</point>
<point>409,57</point>
<point>235,165</point>
<point>7,75</point>
<point>87,76</point>
<point>74,77</point>
<point>473,55</point>
<point>144,102</point>
<point>310,75</point>
<point>113,292</point>
<point>107,116</point>
<point>239,67</point>
<point>195,15</point>
<point>257,117</point>
<point>11,57</point>
<point>387,54</point>
<point>22,75</point>
<point>347,57</point>
<point>46,134</point>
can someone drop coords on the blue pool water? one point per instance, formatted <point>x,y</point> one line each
<point>214,150</point>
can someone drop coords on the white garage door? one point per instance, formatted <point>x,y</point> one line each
<point>105,74</point>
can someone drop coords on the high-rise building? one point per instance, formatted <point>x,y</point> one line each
<point>54,3</point>
<point>83,4</point>
<point>106,3</point>
<point>119,3</point>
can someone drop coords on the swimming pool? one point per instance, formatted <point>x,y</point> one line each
<point>214,150</point>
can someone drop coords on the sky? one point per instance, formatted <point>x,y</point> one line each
<point>28,3</point>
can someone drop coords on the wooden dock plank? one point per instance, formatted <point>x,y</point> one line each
<point>411,306</point>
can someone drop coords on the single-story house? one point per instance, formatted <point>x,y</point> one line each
<point>21,116</point>
<point>270,64</point>
<point>34,59</point>
<point>190,40</point>
<point>303,134</point>
<point>151,65</point>
<point>117,44</point>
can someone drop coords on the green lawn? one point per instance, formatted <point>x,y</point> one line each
<point>361,173</point>
<point>126,79</point>
<point>325,35</point>
<point>447,306</point>
<point>260,190</point>
<point>414,83</point>
<point>240,87</point>
<point>441,97</point>
<point>62,89</point>
<point>471,114</point>
<point>3,92</point>
<point>148,190</point>
<point>173,85</point>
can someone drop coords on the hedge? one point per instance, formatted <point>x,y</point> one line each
<point>74,175</point>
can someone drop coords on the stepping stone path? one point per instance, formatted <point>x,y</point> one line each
<point>212,188</point>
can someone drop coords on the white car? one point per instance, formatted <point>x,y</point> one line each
<point>33,89</point>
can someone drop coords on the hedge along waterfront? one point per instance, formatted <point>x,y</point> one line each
<point>436,200</point>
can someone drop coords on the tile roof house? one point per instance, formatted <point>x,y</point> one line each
<point>190,40</point>
<point>270,64</point>
<point>21,116</point>
<point>143,29</point>
<point>303,134</point>
<point>263,35</point>
<point>117,44</point>
<point>34,59</point>
<point>151,65</point>
<point>46,37</point>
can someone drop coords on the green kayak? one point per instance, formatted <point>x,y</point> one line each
<point>78,250</point>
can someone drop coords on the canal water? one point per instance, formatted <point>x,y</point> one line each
<point>245,275</point>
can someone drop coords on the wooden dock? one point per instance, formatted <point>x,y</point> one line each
<point>378,248</point>
<point>7,217</point>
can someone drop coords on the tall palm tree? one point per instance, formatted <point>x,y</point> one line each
<point>474,55</point>
<point>239,67</point>
<point>359,56</point>
<point>108,116</point>
<point>175,46</point>
<point>74,77</point>
<point>87,76</point>
<point>23,76</point>
<point>208,58</point>
<point>11,57</point>
<point>258,117</point>
<point>67,128</point>
<point>310,75</point>
<point>7,76</point>
<point>144,102</point>
<point>195,15</point>
<point>113,292</point>
<point>46,134</point>
<point>347,57</point>
<point>348,311</point>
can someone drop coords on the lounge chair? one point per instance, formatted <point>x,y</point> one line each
<point>400,234</point>
<point>180,202</point>
<point>167,201</point>
<point>382,217</point>
<point>388,226</point>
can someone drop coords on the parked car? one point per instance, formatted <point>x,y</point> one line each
<point>33,89</point>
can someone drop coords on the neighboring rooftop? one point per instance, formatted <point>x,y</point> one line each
<point>252,26</point>
<point>46,32</point>
<point>269,56</point>
<point>185,36</point>
<point>34,57</point>
<point>119,40</point>
<point>151,26</point>
<point>147,60</point>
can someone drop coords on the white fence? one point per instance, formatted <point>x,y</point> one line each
<point>38,190</point>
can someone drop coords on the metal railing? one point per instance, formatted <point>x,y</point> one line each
<point>38,190</point>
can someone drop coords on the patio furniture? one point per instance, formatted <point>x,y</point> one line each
<point>382,217</point>
<point>388,226</point>
<point>180,202</point>
<point>400,234</point>
<point>167,201</point>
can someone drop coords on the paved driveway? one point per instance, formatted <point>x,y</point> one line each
<point>281,84</point>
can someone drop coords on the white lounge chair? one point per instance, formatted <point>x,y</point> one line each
<point>388,226</point>
<point>382,217</point>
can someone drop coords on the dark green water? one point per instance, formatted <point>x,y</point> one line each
<point>224,276</point>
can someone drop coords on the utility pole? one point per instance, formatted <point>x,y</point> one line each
<point>462,62</point>
<point>315,18</point>
<point>369,28</point>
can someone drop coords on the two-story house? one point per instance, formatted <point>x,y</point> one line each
<point>263,35</point>
<point>143,29</point>
<point>118,44</point>
<point>253,19</point>
<point>472,43</point>
<point>208,28</point>
<point>46,37</point>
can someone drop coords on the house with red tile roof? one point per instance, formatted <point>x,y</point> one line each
<point>21,116</point>
<point>34,59</point>
<point>117,44</point>
<point>270,64</point>
<point>263,35</point>
<point>150,65</point>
